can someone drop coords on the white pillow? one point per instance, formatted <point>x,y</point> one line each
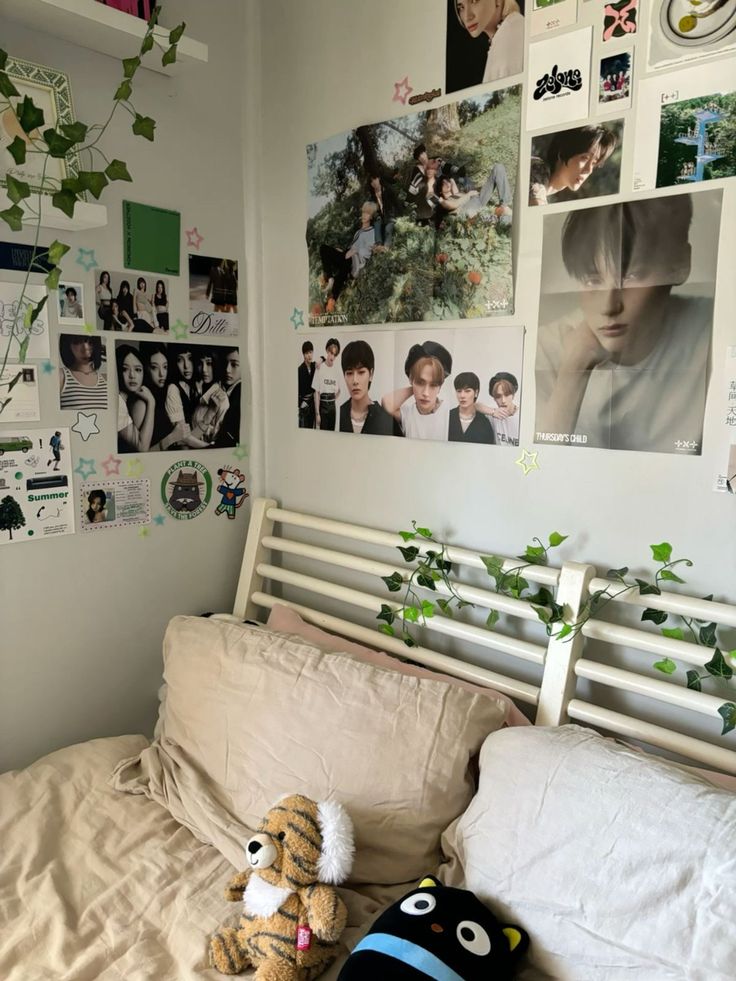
<point>619,866</point>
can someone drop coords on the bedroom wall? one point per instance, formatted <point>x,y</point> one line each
<point>328,66</point>
<point>82,617</point>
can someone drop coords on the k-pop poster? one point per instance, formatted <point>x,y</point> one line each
<point>574,164</point>
<point>484,41</point>
<point>625,323</point>
<point>411,219</point>
<point>132,302</point>
<point>177,396</point>
<point>213,295</point>
<point>445,385</point>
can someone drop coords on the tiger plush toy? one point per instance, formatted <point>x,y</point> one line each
<point>291,919</point>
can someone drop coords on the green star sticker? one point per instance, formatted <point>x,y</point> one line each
<point>179,330</point>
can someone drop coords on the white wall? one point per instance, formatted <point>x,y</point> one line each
<point>328,66</point>
<point>82,617</point>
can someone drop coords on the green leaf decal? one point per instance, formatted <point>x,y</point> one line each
<point>666,666</point>
<point>661,552</point>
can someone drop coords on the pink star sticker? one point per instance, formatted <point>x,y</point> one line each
<point>111,465</point>
<point>402,90</point>
<point>194,239</point>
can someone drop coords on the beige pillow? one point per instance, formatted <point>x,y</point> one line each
<point>618,865</point>
<point>250,715</point>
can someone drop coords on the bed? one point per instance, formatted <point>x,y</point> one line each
<point>487,758</point>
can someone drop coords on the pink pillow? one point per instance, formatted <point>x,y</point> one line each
<point>284,620</point>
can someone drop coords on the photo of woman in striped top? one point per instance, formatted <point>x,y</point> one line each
<point>82,375</point>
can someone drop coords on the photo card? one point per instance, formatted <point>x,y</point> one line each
<point>615,82</point>
<point>213,295</point>
<point>575,164</point>
<point>106,504</point>
<point>70,306</point>
<point>82,372</point>
<point>132,302</point>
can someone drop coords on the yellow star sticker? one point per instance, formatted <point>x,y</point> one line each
<point>528,461</point>
<point>135,468</point>
<point>89,329</point>
<point>144,531</point>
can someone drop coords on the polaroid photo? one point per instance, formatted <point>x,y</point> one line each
<point>615,82</point>
<point>70,304</point>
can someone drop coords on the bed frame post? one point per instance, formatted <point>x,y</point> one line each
<point>254,554</point>
<point>559,680</point>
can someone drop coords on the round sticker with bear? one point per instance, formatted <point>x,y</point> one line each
<point>186,488</point>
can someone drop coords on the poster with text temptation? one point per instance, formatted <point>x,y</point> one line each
<point>458,386</point>
<point>411,219</point>
<point>625,324</point>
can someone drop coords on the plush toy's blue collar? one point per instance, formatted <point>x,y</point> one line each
<point>408,953</point>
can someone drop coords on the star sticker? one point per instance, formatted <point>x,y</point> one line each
<point>144,532</point>
<point>159,519</point>
<point>528,461</point>
<point>402,90</point>
<point>135,468</point>
<point>86,425</point>
<point>89,329</point>
<point>86,259</point>
<point>297,318</point>
<point>240,451</point>
<point>194,239</point>
<point>179,330</point>
<point>47,367</point>
<point>111,465</point>
<point>85,468</point>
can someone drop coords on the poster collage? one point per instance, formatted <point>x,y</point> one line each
<point>415,220</point>
<point>130,370</point>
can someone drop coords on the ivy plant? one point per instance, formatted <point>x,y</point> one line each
<point>57,143</point>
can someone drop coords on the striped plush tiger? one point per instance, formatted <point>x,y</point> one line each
<point>291,920</point>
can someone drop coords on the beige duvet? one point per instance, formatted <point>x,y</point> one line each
<point>97,885</point>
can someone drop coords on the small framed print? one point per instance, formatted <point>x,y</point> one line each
<point>70,304</point>
<point>51,93</point>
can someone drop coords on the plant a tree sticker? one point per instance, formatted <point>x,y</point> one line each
<point>186,489</point>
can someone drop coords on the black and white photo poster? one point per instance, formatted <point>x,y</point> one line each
<point>558,79</point>
<point>625,323</point>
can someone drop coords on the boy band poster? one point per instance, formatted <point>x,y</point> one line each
<point>443,385</point>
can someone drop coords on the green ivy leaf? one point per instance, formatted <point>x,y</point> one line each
<point>493,563</point>
<point>533,552</point>
<point>144,126</point>
<point>117,170</point>
<point>427,609</point>
<point>6,86</point>
<point>445,606</point>
<point>409,553</point>
<point>516,586</point>
<point>408,535</point>
<point>65,201</point>
<point>670,576</point>
<point>130,66</point>
<point>36,311</point>
<point>444,566</point>
<point>564,631</point>
<point>409,641</point>
<point>73,184</point>
<point>23,350</point>
<point>386,613</point>
<point>426,580</point>
<point>17,190</point>
<point>543,613</point>
<point>176,34</point>
<point>58,145</point>
<point>618,573</point>
<point>386,628</point>
<point>556,539</point>
<point>646,588</point>
<point>693,681</point>
<point>661,552</point>
<point>147,44</point>
<point>656,616</point>
<point>56,252</point>
<point>424,532</point>
<point>727,711</point>
<point>17,150</point>
<point>123,92</point>
<point>3,59</point>
<point>492,618</point>
<point>597,599</point>
<point>674,633</point>
<point>410,614</point>
<point>707,635</point>
<point>93,181</point>
<point>717,667</point>
<point>13,217</point>
<point>76,132</point>
<point>666,666</point>
<point>732,655</point>
<point>53,277</point>
<point>394,581</point>
<point>29,115</point>
<point>169,56</point>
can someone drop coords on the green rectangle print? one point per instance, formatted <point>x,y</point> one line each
<point>151,238</point>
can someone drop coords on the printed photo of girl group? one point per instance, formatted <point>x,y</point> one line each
<point>177,396</point>
<point>459,386</point>
<point>132,302</point>
<point>411,219</point>
<point>573,164</point>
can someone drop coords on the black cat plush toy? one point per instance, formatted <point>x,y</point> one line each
<point>436,932</point>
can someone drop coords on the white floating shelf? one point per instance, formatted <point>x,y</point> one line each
<point>104,29</point>
<point>86,215</point>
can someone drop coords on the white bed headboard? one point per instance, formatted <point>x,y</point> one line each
<point>341,567</point>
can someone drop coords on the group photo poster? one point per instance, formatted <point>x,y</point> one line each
<point>684,30</point>
<point>82,372</point>
<point>484,41</point>
<point>13,312</point>
<point>615,82</point>
<point>213,295</point>
<point>411,219</point>
<point>558,79</point>
<point>106,504</point>
<point>18,393</point>
<point>575,164</point>
<point>35,485</point>
<point>132,302</point>
<point>686,127</point>
<point>444,385</point>
<point>550,15</point>
<point>625,324</point>
<point>177,396</point>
